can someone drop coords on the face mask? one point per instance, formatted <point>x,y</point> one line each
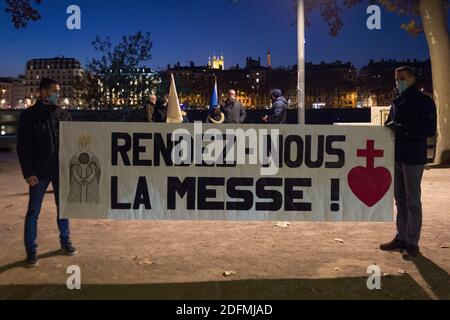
<point>54,98</point>
<point>402,86</point>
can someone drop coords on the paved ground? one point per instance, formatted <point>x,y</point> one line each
<point>173,260</point>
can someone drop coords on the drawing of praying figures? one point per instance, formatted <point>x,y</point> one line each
<point>84,175</point>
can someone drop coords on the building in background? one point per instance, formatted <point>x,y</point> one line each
<point>328,84</point>
<point>331,85</point>
<point>376,81</point>
<point>64,70</point>
<point>269,59</point>
<point>251,83</point>
<point>195,83</point>
<point>216,63</point>
<point>130,87</point>
<point>12,93</point>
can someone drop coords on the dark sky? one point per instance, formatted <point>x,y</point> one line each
<point>192,30</point>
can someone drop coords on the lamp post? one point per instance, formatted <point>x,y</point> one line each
<point>301,96</point>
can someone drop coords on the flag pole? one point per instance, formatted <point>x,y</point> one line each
<point>301,98</point>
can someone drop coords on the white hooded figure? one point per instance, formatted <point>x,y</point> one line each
<point>174,113</point>
<point>84,174</point>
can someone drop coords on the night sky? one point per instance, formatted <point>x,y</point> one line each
<point>192,30</point>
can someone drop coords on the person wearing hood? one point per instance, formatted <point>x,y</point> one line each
<point>278,114</point>
<point>38,152</point>
<point>413,119</point>
<point>216,116</point>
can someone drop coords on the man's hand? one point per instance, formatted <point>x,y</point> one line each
<point>265,119</point>
<point>32,181</point>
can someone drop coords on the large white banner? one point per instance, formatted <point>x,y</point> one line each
<point>206,172</point>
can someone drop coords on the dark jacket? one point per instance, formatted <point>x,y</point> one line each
<point>160,112</point>
<point>234,112</point>
<point>279,111</point>
<point>149,110</point>
<point>413,116</point>
<point>38,140</point>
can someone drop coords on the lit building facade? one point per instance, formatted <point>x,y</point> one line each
<point>216,63</point>
<point>328,84</point>
<point>195,83</point>
<point>129,87</point>
<point>12,92</point>
<point>64,70</point>
<point>376,81</point>
<point>331,85</point>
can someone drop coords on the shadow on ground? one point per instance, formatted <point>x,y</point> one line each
<point>345,288</point>
<point>436,277</point>
<point>393,288</point>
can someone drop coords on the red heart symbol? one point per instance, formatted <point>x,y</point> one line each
<point>370,185</point>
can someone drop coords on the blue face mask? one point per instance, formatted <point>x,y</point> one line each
<point>402,86</point>
<point>54,98</point>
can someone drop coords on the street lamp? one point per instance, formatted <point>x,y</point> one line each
<point>301,96</point>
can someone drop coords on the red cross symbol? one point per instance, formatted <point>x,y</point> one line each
<point>370,154</point>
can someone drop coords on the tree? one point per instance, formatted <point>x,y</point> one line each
<point>22,11</point>
<point>89,86</point>
<point>116,77</point>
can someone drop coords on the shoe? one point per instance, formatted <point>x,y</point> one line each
<point>395,245</point>
<point>410,253</point>
<point>68,249</point>
<point>32,261</point>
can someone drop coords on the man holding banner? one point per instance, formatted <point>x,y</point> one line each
<point>413,118</point>
<point>38,151</point>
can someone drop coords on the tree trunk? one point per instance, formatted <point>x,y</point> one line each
<point>434,17</point>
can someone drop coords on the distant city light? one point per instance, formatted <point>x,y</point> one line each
<point>319,105</point>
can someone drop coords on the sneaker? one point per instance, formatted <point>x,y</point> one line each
<point>68,249</point>
<point>32,261</point>
<point>395,245</point>
<point>411,252</point>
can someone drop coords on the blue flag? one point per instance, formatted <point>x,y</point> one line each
<point>214,98</point>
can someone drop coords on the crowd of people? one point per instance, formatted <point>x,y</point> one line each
<point>231,111</point>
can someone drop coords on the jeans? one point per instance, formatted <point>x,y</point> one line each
<point>408,179</point>
<point>37,194</point>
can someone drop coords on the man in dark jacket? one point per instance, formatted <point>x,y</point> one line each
<point>233,110</point>
<point>413,118</point>
<point>279,109</point>
<point>160,114</point>
<point>38,149</point>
